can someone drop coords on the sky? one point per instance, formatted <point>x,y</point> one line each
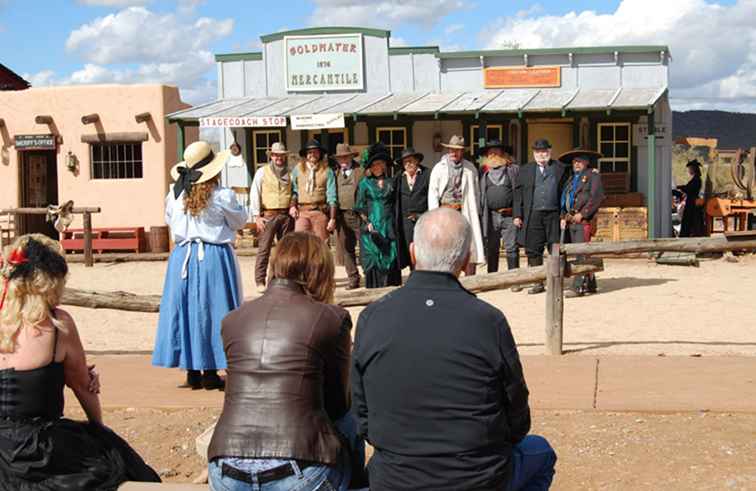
<point>55,42</point>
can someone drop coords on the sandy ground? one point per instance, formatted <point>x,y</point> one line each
<point>597,451</point>
<point>642,308</point>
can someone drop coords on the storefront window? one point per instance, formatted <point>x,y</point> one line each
<point>493,132</point>
<point>262,140</point>
<point>614,145</point>
<point>395,139</point>
<point>116,160</point>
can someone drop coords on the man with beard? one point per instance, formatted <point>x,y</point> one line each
<point>270,199</point>
<point>348,176</point>
<point>536,205</point>
<point>314,190</point>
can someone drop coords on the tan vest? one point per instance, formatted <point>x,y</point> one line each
<point>318,197</point>
<point>275,196</point>
<point>346,187</point>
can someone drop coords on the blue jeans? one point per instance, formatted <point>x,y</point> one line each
<point>316,477</point>
<point>533,462</point>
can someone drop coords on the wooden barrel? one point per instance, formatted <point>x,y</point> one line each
<point>158,238</point>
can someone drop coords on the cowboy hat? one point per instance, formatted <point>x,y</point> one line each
<point>200,164</point>
<point>589,155</point>
<point>278,148</point>
<point>541,144</point>
<point>343,150</point>
<point>456,142</point>
<point>410,152</point>
<point>310,145</point>
<point>694,163</point>
<point>495,144</point>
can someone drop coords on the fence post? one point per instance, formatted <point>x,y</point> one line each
<point>88,259</point>
<point>554,301</point>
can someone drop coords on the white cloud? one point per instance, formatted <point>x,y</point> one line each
<point>397,41</point>
<point>113,3</point>
<point>383,13</point>
<point>713,46</point>
<point>453,28</point>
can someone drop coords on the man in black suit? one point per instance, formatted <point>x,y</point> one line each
<point>411,200</point>
<point>437,384</point>
<point>536,206</point>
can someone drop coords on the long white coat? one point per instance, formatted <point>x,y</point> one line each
<point>470,207</point>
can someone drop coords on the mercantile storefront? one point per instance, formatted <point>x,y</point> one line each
<point>348,84</point>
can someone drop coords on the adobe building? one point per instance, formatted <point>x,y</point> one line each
<point>106,146</point>
<point>347,84</point>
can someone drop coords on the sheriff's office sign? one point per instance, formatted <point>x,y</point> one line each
<point>317,121</point>
<point>243,122</point>
<point>521,77</point>
<point>322,63</point>
<point>34,142</point>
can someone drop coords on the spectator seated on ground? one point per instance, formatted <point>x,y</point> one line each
<point>286,422</point>
<point>40,351</point>
<point>437,384</point>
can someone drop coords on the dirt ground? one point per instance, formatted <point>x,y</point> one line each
<point>642,308</point>
<point>597,450</point>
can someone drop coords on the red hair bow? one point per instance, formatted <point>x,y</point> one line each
<point>17,257</point>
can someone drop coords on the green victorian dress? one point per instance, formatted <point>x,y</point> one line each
<point>378,250</point>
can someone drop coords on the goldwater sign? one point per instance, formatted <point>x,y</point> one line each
<point>322,63</point>
<point>242,122</point>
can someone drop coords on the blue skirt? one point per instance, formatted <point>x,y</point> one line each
<point>198,294</point>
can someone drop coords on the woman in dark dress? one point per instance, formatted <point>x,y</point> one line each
<point>40,352</point>
<point>411,200</point>
<point>375,204</point>
<point>692,219</point>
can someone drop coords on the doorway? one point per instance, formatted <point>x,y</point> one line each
<point>335,136</point>
<point>39,188</point>
<point>558,134</point>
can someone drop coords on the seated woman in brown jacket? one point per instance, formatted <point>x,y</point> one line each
<point>286,422</point>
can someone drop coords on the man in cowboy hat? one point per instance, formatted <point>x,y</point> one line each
<point>454,184</point>
<point>497,186</point>
<point>270,202</point>
<point>348,176</point>
<point>314,192</point>
<point>536,205</point>
<point>411,200</point>
<point>581,199</point>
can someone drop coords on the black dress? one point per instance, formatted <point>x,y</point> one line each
<point>693,217</point>
<point>41,450</point>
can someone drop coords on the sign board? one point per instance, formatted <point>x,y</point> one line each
<point>640,132</point>
<point>317,121</point>
<point>522,77</point>
<point>35,142</point>
<point>323,63</point>
<point>242,122</point>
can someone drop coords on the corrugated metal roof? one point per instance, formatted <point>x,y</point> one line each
<point>491,101</point>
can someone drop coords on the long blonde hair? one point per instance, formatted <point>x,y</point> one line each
<point>306,260</point>
<point>196,200</point>
<point>29,299</point>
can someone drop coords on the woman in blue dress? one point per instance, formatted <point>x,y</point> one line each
<point>202,283</point>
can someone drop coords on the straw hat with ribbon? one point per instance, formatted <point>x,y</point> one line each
<point>277,148</point>
<point>200,164</point>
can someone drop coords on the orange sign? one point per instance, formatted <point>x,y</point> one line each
<point>519,77</point>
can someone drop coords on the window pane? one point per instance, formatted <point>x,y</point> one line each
<point>399,138</point>
<point>621,150</point>
<point>384,137</point>
<point>274,138</point>
<point>260,139</point>
<point>138,152</point>
<point>96,171</point>
<point>607,133</point>
<point>260,156</point>
<point>138,173</point>
<point>621,133</point>
<point>606,167</point>
<point>607,150</point>
<point>620,166</point>
<point>493,133</point>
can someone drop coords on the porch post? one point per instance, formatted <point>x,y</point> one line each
<point>180,141</point>
<point>651,197</point>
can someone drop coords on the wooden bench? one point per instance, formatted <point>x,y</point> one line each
<point>105,239</point>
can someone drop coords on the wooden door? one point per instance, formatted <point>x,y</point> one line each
<point>39,188</point>
<point>558,134</point>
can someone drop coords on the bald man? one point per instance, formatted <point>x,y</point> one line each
<point>462,368</point>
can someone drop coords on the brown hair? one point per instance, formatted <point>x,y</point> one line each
<point>305,259</point>
<point>197,199</point>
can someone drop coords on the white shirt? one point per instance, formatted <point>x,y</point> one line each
<point>217,224</point>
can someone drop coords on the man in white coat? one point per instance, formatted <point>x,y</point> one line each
<point>454,184</point>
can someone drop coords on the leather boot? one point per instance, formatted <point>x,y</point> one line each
<point>211,380</point>
<point>193,380</point>
<point>513,262</point>
<point>538,287</point>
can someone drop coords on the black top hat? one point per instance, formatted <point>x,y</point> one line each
<point>589,155</point>
<point>410,152</point>
<point>495,144</point>
<point>541,144</point>
<point>310,145</point>
<point>694,163</point>
<point>376,151</point>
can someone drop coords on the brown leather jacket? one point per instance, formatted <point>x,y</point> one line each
<point>288,378</point>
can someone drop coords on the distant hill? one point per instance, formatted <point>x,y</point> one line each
<point>734,130</point>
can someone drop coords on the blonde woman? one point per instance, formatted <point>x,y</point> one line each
<point>40,352</point>
<point>202,283</point>
<point>286,421</point>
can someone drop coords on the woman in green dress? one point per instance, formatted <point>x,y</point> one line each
<point>375,202</point>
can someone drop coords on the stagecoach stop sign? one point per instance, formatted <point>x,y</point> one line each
<point>323,63</point>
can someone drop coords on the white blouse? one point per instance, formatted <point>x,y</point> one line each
<point>217,224</point>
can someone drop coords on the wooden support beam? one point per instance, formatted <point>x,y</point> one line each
<point>554,301</point>
<point>695,244</point>
<point>111,300</point>
<point>88,259</point>
<point>90,118</point>
<point>143,117</point>
<point>43,211</point>
<point>43,119</point>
